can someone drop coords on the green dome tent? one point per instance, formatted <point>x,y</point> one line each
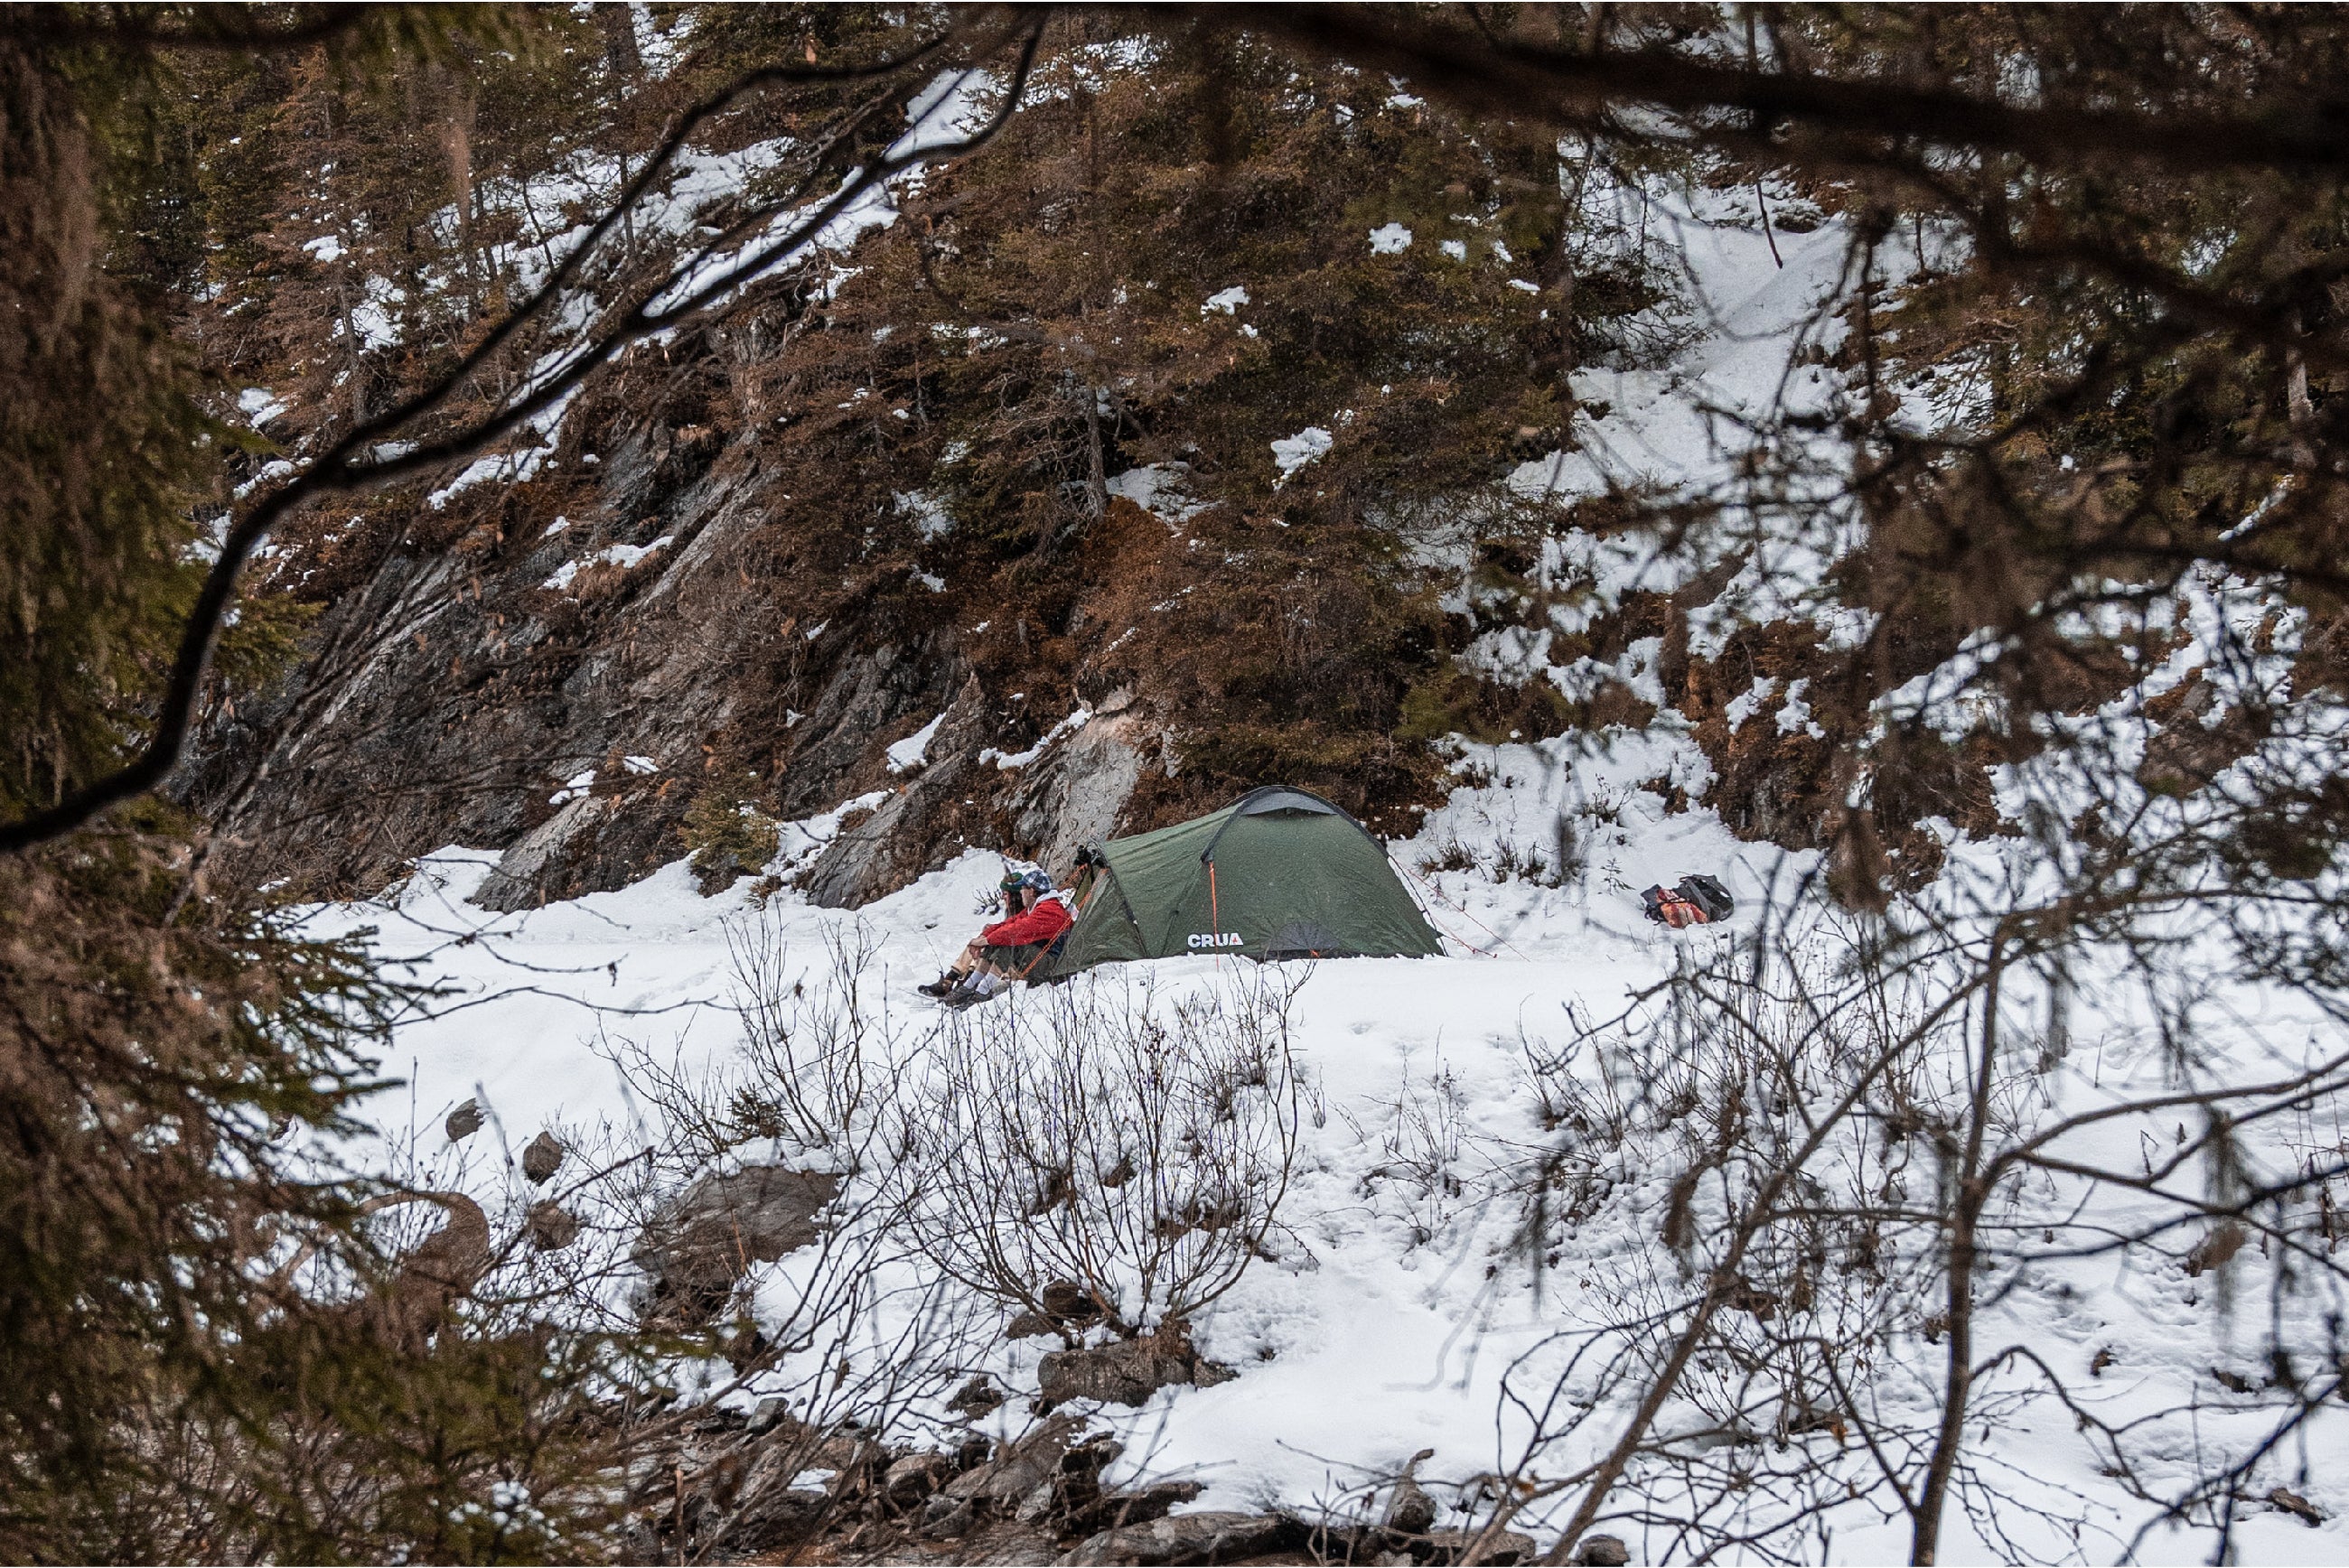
<point>1280,873</point>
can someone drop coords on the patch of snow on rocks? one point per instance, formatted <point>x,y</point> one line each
<point>926,511</point>
<point>259,405</point>
<point>1007,760</point>
<point>625,556</point>
<point>914,752</point>
<point>1293,452</point>
<point>1157,489</point>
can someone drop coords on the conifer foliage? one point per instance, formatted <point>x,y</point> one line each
<point>170,1051</point>
<point>101,452</point>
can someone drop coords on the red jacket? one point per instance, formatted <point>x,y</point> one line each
<point>1043,923</point>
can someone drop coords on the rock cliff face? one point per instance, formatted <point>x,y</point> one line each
<point>1086,461</point>
<point>492,690</point>
<point>1126,466</point>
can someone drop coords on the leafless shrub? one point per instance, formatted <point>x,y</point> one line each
<point>1436,1163</point>
<point>1450,855</point>
<point>1510,861</point>
<point>1516,861</point>
<point>816,1058</point>
<point>846,1341</point>
<point>1849,1152</point>
<point>1103,1135</point>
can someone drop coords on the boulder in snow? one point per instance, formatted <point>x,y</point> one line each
<point>697,1247</point>
<point>1507,1547</point>
<point>1004,1482</point>
<point>1128,1372</point>
<point>531,868</point>
<point>1206,1537</point>
<point>463,1122</point>
<point>916,1476</point>
<point>1409,1511</point>
<point>976,1399</point>
<point>543,1158</point>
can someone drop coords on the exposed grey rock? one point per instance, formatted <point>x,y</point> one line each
<point>543,1158</point>
<point>1156,1501</point>
<point>977,1398</point>
<point>533,870</point>
<point>1127,1372</point>
<point>1409,1511</point>
<point>1022,1466</point>
<point>1507,1547</point>
<point>1038,1505</point>
<point>915,1477</point>
<point>778,1517</point>
<point>949,1518</point>
<point>1075,794</point>
<point>470,692</point>
<point>697,1247</point>
<point>768,1410</point>
<point>896,844</point>
<point>1008,1542</point>
<point>882,692</point>
<point>463,1122</point>
<point>553,1227</point>
<point>1207,1537</point>
<point>465,691</point>
<point>1600,1551</point>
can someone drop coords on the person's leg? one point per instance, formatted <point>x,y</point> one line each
<point>998,966</point>
<point>957,973</point>
<point>987,976</point>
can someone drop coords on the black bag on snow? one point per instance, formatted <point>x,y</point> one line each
<point>1707,893</point>
<point>1711,899</point>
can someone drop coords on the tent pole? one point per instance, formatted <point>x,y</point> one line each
<point>1215,914</point>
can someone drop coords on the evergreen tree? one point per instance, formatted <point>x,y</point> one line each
<point>171,1052</point>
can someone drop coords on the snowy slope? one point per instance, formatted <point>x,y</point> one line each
<point>1378,1332</point>
<point>1394,1311</point>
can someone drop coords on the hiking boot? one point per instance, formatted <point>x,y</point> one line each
<point>971,993</point>
<point>940,986</point>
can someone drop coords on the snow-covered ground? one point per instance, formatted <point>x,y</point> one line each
<point>1394,1306</point>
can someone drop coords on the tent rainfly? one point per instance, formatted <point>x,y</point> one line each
<point>1280,873</point>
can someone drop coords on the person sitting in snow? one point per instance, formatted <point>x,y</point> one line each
<point>1008,949</point>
